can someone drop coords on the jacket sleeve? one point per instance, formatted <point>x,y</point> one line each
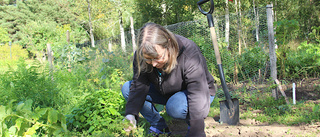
<point>198,93</point>
<point>138,92</point>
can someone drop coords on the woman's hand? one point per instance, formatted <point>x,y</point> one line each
<point>133,121</point>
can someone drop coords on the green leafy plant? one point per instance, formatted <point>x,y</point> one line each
<point>315,34</point>
<point>22,120</point>
<point>251,61</point>
<point>4,36</point>
<point>316,112</point>
<point>30,82</point>
<point>286,30</point>
<point>13,52</point>
<point>100,111</point>
<point>305,61</point>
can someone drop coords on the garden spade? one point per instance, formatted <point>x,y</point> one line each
<point>229,108</point>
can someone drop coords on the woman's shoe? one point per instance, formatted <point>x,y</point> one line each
<point>156,132</point>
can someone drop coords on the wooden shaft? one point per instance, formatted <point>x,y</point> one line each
<point>215,45</point>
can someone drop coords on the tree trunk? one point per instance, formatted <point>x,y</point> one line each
<point>239,24</point>
<point>227,24</point>
<point>90,25</point>
<point>256,14</point>
<point>133,35</point>
<point>123,40</point>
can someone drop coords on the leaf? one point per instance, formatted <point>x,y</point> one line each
<point>28,104</point>
<point>52,116</point>
<point>2,112</point>
<point>63,122</point>
<point>91,129</point>
<point>19,107</point>
<point>56,133</point>
<point>82,118</point>
<point>12,130</point>
<point>113,111</point>
<point>32,130</point>
<point>39,112</point>
<point>18,123</point>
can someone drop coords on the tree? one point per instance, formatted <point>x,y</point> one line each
<point>165,12</point>
<point>227,27</point>
<point>4,36</point>
<point>90,24</point>
<point>256,16</point>
<point>34,23</point>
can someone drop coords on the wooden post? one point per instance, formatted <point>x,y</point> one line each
<point>110,46</point>
<point>282,91</point>
<point>10,43</point>
<point>272,52</point>
<point>69,58</point>
<point>50,59</point>
<point>68,36</point>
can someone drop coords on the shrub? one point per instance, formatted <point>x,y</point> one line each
<point>100,111</point>
<point>303,62</point>
<point>16,51</point>
<point>250,61</point>
<point>29,82</point>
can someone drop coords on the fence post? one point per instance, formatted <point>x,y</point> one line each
<point>272,52</point>
<point>69,58</point>
<point>10,43</point>
<point>50,59</point>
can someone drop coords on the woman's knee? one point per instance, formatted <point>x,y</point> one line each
<point>126,89</point>
<point>177,106</point>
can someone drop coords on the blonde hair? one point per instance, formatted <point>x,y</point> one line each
<point>150,35</point>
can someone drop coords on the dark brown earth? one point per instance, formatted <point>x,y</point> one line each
<point>306,90</point>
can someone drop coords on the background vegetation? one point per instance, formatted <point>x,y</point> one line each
<point>80,95</point>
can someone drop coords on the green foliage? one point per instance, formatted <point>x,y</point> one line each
<point>263,107</point>
<point>4,36</point>
<point>315,34</point>
<point>315,112</point>
<point>23,120</point>
<point>15,50</point>
<point>69,54</point>
<point>247,64</point>
<point>305,61</point>
<point>165,12</point>
<point>251,61</point>
<point>34,23</point>
<point>40,33</point>
<point>286,30</point>
<point>99,111</point>
<point>29,82</point>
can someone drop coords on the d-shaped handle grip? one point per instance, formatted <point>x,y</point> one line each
<point>199,3</point>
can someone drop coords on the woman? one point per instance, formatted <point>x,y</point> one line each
<point>169,70</point>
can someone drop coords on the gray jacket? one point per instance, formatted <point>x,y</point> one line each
<point>190,74</point>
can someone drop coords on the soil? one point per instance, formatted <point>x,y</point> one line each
<point>307,90</point>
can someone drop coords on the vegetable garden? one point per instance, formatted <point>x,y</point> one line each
<point>79,94</point>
